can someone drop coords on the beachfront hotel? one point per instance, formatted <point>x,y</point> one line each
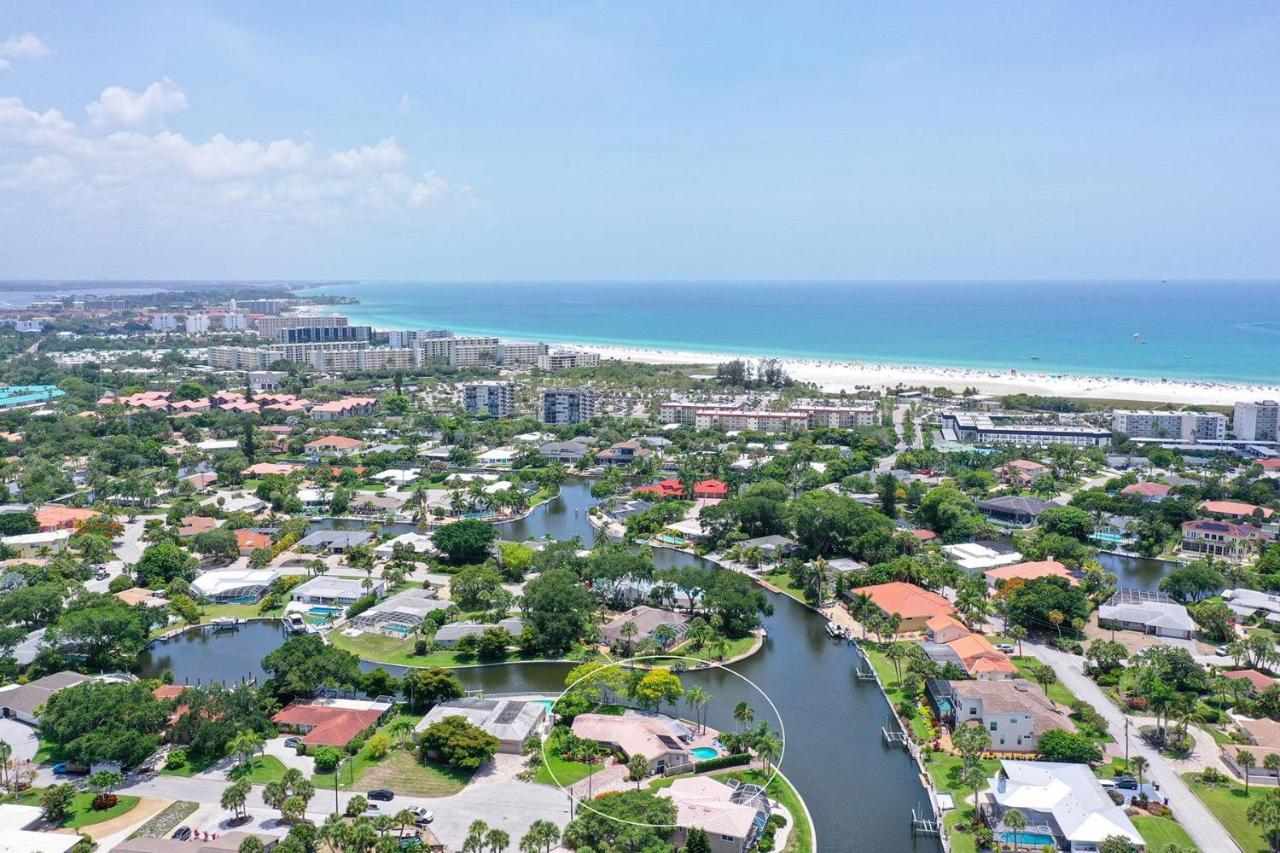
<point>982,429</point>
<point>733,416</point>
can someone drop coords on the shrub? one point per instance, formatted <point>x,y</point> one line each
<point>102,802</point>
<point>736,760</point>
<point>326,759</point>
<point>177,759</point>
<point>1211,776</point>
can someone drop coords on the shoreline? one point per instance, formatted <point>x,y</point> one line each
<point>836,376</point>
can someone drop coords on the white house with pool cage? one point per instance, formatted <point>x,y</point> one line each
<point>1063,806</point>
<point>233,586</point>
<point>400,614</point>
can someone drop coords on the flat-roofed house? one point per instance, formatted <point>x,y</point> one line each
<point>449,635</point>
<point>511,721</point>
<point>331,591</point>
<point>334,541</point>
<point>914,604</point>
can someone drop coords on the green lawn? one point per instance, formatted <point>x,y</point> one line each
<point>383,649</point>
<point>1160,832</point>
<point>1056,691</point>
<point>734,648</point>
<point>261,769</point>
<point>399,768</point>
<point>783,581</point>
<point>1229,805</point>
<point>82,813</point>
<point>562,772</point>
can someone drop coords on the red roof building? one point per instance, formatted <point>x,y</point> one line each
<point>62,517</point>
<point>1259,681</point>
<point>330,722</point>
<point>250,541</point>
<point>711,489</point>
<point>714,489</point>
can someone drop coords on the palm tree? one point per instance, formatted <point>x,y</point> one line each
<point>769,748</point>
<point>235,797</point>
<point>744,715</point>
<point>1017,633</point>
<point>543,834</point>
<point>1138,765</point>
<point>1265,814</point>
<point>474,842</point>
<point>1246,761</point>
<point>497,840</point>
<point>403,819</point>
<point>697,699</point>
<point>895,652</point>
<point>1016,821</point>
<point>1272,763</point>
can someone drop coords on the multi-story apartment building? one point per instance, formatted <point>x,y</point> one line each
<point>838,417</point>
<point>682,412</point>
<point>237,358</point>
<point>520,352</point>
<point>230,321</point>
<point>740,419</point>
<point>410,337</point>
<point>165,322</point>
<point>364,359</point>
<point>497,399</point>
<point>470,352</point>
<point>981,429</point>
<point>271,307</point>
<point>1180,426</point>
<point>268,327</point>
<point>1257,421</point>
<point>567,405</point>
<point>306,353</point>
<point>568,359</point>
<point>323,334</point>
<point>197,324</point>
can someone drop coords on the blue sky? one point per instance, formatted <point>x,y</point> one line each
<point>618,140</point>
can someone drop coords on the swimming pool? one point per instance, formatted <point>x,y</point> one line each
<point>325,611</point>
<point>704,753</point>
<point>1033,840</point>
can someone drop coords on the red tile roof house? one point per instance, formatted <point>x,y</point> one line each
<point>264,469</point>
<point>1029,571</point>
<point>914,604</point>
<point>711,489</point>
<point>251,540</point>
<point>1020,472</point>
<point>62,517</point>
<point>1151,493</point>
<point>194,525</point>
<point>333,445</point>
<point>1257,680</point>
<point>1235,509</point>
<point>330,722</point>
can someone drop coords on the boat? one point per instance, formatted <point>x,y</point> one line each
<point>834,630</point>
<point>295,624</point>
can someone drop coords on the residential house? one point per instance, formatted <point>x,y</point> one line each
<point>732,816</point>
<point>1224,539</point>
<point>1238,510</point>
<point>44,544</point>
<point>944,628</point>
<point>568,452</point>
<point>449,635</point>
<point>420,543</point>
<point>331,591</point>
<point>914,604</point>
<point>194,525</point>
<point>62,517</point>
<point>22,702</point>
<point>646,735</point>
<point>1148,612</point>
<point>334,541</point>
<point>647,621</point>
<point>351,407</point>
<point>400,614</point>
<point>1058,800</point>
<point>1020,473</point>
<point>981,659</point>
<point>1247,603</point>
<point>1029,571</point>
<point>1256,681</point>
<point>332,445</point>
<point>20,832</point>
<point>233,586</point>
<point>1264,740</point>
<point>329,721</point>
<point>1014,712</point>
<point>1013,510</point>
<point>1152,493</point>
<point>622,453</point>
<point>249,540</point>
<point>511,721</point>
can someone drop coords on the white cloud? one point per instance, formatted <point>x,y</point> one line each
<point>120,106</point>
<point>26,46</point>
<point>99,174</point>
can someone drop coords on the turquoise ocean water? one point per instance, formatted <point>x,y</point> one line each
<point>1212,330</point>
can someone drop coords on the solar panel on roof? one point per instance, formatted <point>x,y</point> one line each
<point>509,713</point>
<point>669,742</point>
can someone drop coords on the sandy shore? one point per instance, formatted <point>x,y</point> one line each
<point>838,376</point>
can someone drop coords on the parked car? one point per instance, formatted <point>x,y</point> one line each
<point>1127,783</point>
<point>182,833</point>
<point>293,742</point>
<point>372,809</point>
<point>1007,648</point>
<point>422,815</point>
<point>102,574</point>
<point>383,794</point>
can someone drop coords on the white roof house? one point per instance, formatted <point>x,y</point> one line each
<point>511,721</point>
<point>398,476</point>
<point>971,556</point>
<point>1247,602</point>
<point>332,590</point>
<point>720,811</point>
<point>17,834</point>
<point>398,615</point>
<point>1064,800</point>
<point>1149,612</point>
<point>498,456</point>
<point>234,585</point>
<point>420,542</point>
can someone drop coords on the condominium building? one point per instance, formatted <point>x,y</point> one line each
<point>306,353</point>
<point>1183,426</point>
<point>739,419</point>
<point>270,326</point>
<point>497,399</point>
<point>410,337</point>
<point>237,358</point>
<point>270,307</point>
<point>165,322</point>
<point>981,429</point>
<point>322,334</point>
<point>567,405</point>
<point>232,322</point>
<point>568,359</point>
<point>439,350</point>
<point>1257,421</point>
<point>520,352</point>
<point>838,417</point>
<point>364,359</point>
<point>683,412</point>
<point>469,352</point>
<point>197,324</point>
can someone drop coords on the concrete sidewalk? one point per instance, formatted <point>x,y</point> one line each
<point>1195,817</point>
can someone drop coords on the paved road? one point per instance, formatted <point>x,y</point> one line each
<point>1201,825</point>
<point>510,806</point>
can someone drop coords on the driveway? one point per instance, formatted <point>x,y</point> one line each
<point>1199,822</point>
<point>21,738</point>
<point>289,756</point>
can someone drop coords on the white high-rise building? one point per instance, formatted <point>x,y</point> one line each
<point>410,337</point>
<point>165,322</point>
<point>197,324</point>
<point>1257,421</point>
<point>497,399</point>
<point>1174,426</point>
<point>567,405</point>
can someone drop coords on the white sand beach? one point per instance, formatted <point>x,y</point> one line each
<point>851,375</point>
